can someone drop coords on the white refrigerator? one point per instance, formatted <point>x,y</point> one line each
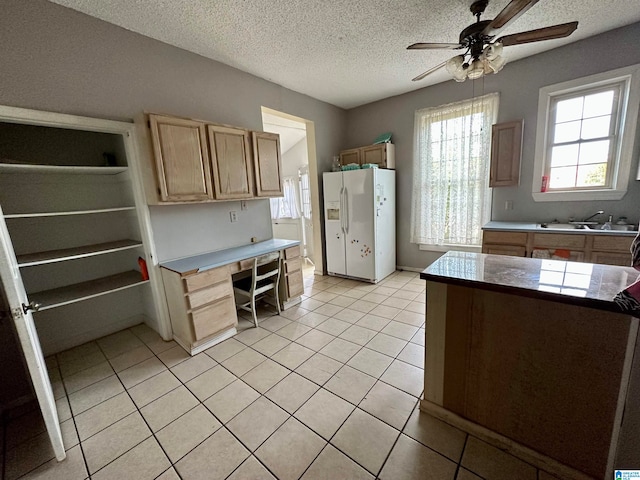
<point>360,223</point>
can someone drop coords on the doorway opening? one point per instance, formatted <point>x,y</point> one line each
<point>296,215</point>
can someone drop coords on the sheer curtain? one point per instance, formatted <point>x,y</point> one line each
<point>287,206</point>
<point>451,199</point>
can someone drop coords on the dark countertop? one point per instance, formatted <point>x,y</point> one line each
<point>585,284</point>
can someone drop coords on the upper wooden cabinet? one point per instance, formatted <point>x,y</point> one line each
<point>199,161</point>
<point>506,150</point>
<point>381,154</point>
<point>268,164</point>
<point>350,156</point>
<point>182,159</point>
<point>231,162</point>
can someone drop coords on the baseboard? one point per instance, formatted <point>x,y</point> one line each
<point>208,344</point>
<point>409,269</point>
<point>503,443</point>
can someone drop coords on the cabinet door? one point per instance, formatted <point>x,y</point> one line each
<point>610,258</point>
<point>268,164</point>
<point>14,297</point>
<point>230,162</point>
<point>350,156</point>
<point>182,159</point>
<point>506,149</point>
<point>375,154</point>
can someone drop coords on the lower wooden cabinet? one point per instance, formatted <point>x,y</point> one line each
<point>201,306</point>
<point>291,284</point>
<point>592,248</point>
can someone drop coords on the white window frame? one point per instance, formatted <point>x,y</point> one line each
<point>629,77</point>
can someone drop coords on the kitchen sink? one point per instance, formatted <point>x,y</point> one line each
<point>591,227</point>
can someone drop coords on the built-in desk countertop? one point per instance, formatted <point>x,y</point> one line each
<point>207,261</point>
<point>200,295</point>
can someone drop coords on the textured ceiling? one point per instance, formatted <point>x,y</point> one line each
<point>345,52</point>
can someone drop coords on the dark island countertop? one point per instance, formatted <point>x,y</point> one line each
<point>585,284</point>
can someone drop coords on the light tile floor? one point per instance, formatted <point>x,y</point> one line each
<point>327,390</point>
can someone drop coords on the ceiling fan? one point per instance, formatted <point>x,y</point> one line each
<point>483,54</point>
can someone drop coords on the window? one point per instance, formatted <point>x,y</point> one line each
<point>585,134</point>
<point>287,206</point>
<point>451,198</point>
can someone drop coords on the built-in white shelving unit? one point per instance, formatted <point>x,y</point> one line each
<point>51,256</point>
<point>57,297</point>
<point>74,212</point>
<point>63,169</point>
<point>69,205</point>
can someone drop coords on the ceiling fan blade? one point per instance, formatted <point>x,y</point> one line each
<point>546,33</point>
<point>428,46</point>
<point>428,72</point>
<point>509,14</point>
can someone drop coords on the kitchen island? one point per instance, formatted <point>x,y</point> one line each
<point>532,356</point>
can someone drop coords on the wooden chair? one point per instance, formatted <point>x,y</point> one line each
<point>265,276</point>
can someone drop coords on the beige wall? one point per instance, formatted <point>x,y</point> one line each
<point>56,59</point>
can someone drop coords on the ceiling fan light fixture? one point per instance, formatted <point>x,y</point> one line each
<point>493,51</point>
<point>497,64</point>
<point>476,70</point>
<point>457,68</point>
<point>454,64</point>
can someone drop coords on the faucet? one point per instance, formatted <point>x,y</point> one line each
<point>599,212</point>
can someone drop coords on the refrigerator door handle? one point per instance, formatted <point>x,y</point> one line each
<point>342,209</point>
<point>346,210</point>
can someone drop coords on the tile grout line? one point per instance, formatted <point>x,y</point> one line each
<point>137,409</point>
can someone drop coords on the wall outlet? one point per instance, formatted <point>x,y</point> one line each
<point>243,204</point>
<point>233,215</point>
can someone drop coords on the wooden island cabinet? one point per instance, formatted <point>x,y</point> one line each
<point>534,357</point>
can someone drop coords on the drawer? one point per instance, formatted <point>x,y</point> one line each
<point>513,250</point>
<point>512,238</point>
<point>295,287</point>
<point>610,243</point>
<point>558,240</point>
<point>209,294</point>
<point>213,318</point>
<point>206,278</point>
<point>292,265</point>
<point>292,252</point>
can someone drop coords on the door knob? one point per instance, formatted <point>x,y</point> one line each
<point>32,306</point>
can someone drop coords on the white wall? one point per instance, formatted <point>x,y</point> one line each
<point>518,84</point>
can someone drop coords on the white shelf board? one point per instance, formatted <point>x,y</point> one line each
<point>74,212</point>
<point>52,256</point>
<point>58,297</point>
<point>64,169</point>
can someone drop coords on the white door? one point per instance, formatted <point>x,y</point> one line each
<point>16,298</point>
<point>334,223</point>
<point>360,226</point>
<point>307,222</point>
